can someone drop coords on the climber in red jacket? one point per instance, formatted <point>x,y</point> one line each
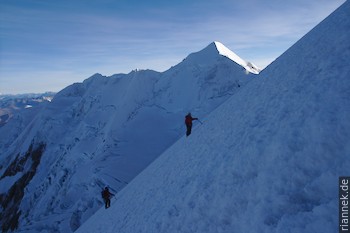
<point>188,122</point>
<point>106,195</point>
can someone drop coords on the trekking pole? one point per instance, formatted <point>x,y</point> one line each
<point>200,122</point>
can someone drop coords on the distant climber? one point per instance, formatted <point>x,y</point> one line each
<point>188,122</point>
<point>106,195</point>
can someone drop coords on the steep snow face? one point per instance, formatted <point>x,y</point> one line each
<point>267,160</point>
<point>104,131</point>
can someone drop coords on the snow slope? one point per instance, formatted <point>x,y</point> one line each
<point>103,131</point>
<point>267,160</point>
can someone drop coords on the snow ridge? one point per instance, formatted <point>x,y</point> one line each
<point>214,53</point>
<point>224,51</point>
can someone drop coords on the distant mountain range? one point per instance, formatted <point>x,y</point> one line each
<point>10,104</point>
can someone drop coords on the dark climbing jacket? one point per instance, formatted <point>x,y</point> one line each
<point>106,194</point>
<point>189,119</point>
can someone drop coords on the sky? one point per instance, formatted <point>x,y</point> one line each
<point>46,45</point>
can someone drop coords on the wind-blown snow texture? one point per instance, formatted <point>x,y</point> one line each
<point>103,131</point>
<point>267,160</point>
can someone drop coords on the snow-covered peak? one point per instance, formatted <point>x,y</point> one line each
<point>214,51</point>
<point>224,51</point>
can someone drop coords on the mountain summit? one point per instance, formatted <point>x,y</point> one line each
<point>215,51</point>
<point>224,51</point>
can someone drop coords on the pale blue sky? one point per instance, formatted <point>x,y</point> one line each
<point>46,45</point>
